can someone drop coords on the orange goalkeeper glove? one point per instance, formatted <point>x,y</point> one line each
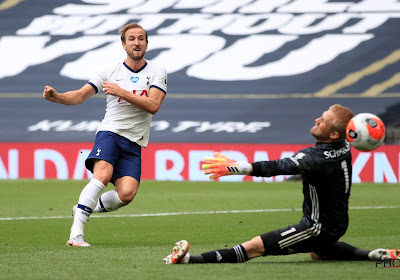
<point>221,165</point>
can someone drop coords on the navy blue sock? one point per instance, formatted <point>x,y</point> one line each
<point>235,255</point>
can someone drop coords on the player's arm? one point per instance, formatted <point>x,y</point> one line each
<point>70,97</point>
<point>151,103</point>
<point>306,160</point>
<point>284,166</point>
<point>221,165</point>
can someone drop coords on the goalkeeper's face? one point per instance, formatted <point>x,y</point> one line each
<point>323,129</point>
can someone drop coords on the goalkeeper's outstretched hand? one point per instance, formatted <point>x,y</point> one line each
<point>221,165</point>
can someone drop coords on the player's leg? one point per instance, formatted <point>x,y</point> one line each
<point>340,251</point>
<point>125,190</point>
<point>126,177</point>
<point>236,254</point>
<point>180,255</point>
<point>344,251</point>
<point>240,253</point>
<point>279,242</point>
<point>256,247</point>
<point>109,202</point>
<point>102,172</point>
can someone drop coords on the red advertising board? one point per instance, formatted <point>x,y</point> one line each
<point>177,162</point>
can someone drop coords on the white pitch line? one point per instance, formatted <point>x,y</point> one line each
<point>190,213</point>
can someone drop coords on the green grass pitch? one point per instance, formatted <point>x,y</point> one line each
<point>35,217</point>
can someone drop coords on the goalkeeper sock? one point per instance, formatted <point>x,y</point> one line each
<point>87,201</point>
<point>108,202</point>
<point>235,255</point>
<point>344,251</point>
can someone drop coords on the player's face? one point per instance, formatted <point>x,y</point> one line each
<point>135,43</point>
<point>323,127</point>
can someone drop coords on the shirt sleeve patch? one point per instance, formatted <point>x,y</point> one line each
<point>297,157</point>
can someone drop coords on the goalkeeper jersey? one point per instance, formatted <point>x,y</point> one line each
<point>121,117</point>
<point>326,173</point>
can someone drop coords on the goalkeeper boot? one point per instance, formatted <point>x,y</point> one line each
<point>180,253</point>
<point>384,254</point>
<point>78,241</point>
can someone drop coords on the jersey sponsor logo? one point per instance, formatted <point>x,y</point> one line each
<point>337,153</point>
<point>136,92</point>
<point>144,93</point>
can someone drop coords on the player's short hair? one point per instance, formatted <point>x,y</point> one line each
<point>126,27</point>
<point>343,116</point>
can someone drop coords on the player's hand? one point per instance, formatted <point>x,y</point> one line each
<point>112,89</point>
<point>221,165</point>
<point>49,93</point>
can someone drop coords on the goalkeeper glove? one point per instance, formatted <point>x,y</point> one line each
<point>221,165</point>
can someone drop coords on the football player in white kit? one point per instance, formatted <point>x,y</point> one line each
<point>135,88</point>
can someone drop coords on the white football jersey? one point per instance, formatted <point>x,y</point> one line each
<point>122,117</point>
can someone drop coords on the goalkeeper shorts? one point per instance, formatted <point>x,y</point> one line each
<point>303,237</point>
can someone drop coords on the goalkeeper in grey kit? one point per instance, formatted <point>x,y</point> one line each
<point>326,172</point>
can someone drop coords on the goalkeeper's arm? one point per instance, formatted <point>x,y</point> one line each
<point>221,165</point>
